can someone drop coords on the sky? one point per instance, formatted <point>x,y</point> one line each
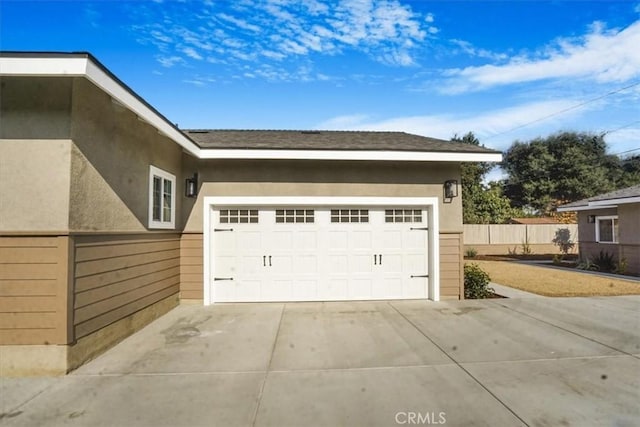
<point>505,70</point>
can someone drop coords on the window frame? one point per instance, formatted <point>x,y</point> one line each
<point>164,176</point>
<point>615,236</point>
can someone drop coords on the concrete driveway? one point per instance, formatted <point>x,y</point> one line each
<point>537,362</point>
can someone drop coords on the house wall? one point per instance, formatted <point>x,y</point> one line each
<point>35,108</point>
<point>110,164</point>
<point>34,290</point>
<point>322,178</point>
<point>629,223</point>
<point>629,228</point>
<point>117,275</point>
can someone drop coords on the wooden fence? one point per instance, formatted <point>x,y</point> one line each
<point>498,239</point>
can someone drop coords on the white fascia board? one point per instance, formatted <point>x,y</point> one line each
<point>317,201</point>
<point>122,95</point>
<point>586,208</point>
<point>43,66</point>
<point>84,67</point>
<point>417,156</point>
<point>621,201</point>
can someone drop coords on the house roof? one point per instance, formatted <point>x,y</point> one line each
<point>247,144</point>
<point>326,140</point>
<point>606,200</point>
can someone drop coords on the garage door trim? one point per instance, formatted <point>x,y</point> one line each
<point>429,203</point>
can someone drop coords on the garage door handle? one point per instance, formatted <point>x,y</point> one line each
<point>375,259</point>
<point>216,279</point>
<point>413,276</point>
<point>380,259</point>
<point>223,229</point>
<point>419,228</point>
<point>269,260</point>
<point>264,260</point>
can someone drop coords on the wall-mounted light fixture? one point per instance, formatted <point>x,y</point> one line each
<point>450,188</point>
<point>591,219</point>
<point>191,186</point>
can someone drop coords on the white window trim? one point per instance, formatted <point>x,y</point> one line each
<point>429,203</point>
<point>597,224</point>
<point>156,172</point>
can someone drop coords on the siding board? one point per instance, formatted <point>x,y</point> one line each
<point>450,262</point>
<point>116,276</point>
<point>191,266</point>
<point>31,290</point>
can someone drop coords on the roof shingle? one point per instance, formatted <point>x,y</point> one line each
<point>325,140</point>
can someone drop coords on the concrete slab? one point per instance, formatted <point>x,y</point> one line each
<point>219,338</point>
<point>509,292</point>
<point>483,331</point>
<point>613,321</point>
<point>145,400</point>
<point>570,392</point>
<point>348,335</point>
<point>379,397</point>
<point>15,392</point>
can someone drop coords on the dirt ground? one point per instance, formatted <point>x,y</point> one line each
<point>555,283</point>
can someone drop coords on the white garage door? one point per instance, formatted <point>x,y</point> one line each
<point>318,254</point>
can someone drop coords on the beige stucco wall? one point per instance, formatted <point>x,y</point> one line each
<point>323,178</point>
<point>110,163</point>
<point>35,108</point>
<point>34,184</point>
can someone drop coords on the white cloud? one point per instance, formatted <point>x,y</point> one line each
<point>445,126</point>
<point>169,61</point>
<point>191,53</point>
<point>601,55</point>
<point>386,30</point>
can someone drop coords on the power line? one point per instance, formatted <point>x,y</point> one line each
<point>621,127</point>
<point>557,113</point>
<point>625,152</point>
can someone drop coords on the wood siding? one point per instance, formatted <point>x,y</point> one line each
<point>451,273</point>
<point>116,276</point>
<point>191,266</point>
<point>34,290</point>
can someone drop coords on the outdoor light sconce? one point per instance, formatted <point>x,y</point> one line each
<point>191,186</point>
<point>451,189</point>
<point>591,219</point>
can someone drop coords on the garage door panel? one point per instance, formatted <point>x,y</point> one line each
<point>338,240</point>
<point>305,265</point>
<point>306,241</point>
<point>320,258</point>
<point>361,240</point>
<point>360,288</point>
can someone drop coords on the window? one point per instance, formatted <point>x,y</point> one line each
<point>349,215</point>
<point>238,216</point>
<point>294,215</point>
<point>607,229</point>
<point>162,203</point>
<point>403,215</point>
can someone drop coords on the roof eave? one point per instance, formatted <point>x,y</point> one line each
<point>585,208</point>
<point>84,65</point>
<point>371,155</point>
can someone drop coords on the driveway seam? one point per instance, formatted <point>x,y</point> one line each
<point>266,372</point>
<point>566,330</point>
<point>459,365</point>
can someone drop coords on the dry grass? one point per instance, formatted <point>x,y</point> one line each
<point>555,283</point>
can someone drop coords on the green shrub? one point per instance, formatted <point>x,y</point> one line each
<point>471,253</point>
<point>526,247</point>
<point>563,240</point>
<point>621,266</point>
<point>557,259</point>
<point>476,282</point>
<point>605,261</point>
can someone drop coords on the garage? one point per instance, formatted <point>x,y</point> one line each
<point>319,252</point>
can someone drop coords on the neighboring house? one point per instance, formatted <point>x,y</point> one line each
<point>109,214</point>
<point>610,223</point>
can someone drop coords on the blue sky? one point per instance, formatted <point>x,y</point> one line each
<point>505,70</point>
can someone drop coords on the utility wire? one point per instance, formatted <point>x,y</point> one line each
<point>606,132</point>
<point>557,113</point>
<point>625,152</point>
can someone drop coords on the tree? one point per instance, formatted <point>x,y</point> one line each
<point>563,167</point>
<point>481,204</point>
